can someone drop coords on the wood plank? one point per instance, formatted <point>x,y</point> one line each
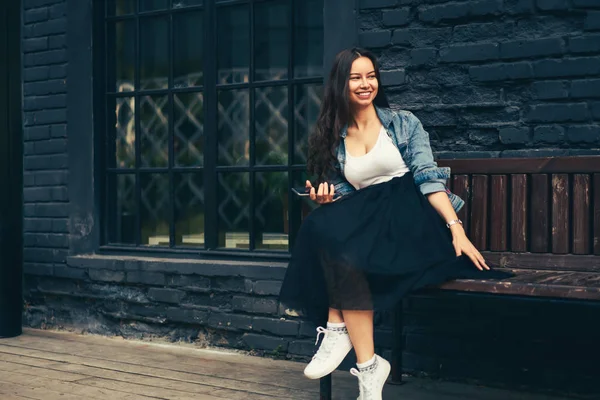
<point>479,212</point>
<point>75,388</point>
<point>518,209</point>
<point>533,165</point>
<point>544,261</point>
<point>581,214</point>
<point>499,213</point>
<point>144,391</point>
<point>35,393</point>
<point>460,187</point>
<point>560,213</point>
<point>597,214</point>
<point>549,287</point>
<point>539,214</point>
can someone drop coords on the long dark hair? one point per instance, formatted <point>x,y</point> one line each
<point>335,111</point>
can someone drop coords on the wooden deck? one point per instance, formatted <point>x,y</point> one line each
<point>47,365</point>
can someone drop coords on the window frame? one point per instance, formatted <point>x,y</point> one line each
<point>210,168</point>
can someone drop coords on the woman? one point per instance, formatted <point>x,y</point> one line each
<point>378,234</point>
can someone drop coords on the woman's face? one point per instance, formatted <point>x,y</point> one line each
<point>363,83</point>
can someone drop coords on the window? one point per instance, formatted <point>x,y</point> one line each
<point>208,108</point>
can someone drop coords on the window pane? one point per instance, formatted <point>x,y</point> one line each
<point>233,127</point>
<point>154,123</point>
<point>233,36</point>
<point>271,40</point>
<point>271,125</point>
<point>120,7</point>
<point>123,213</point>
<point>308,38</point>
<point>154,53</point>
<point>186,3</point>
<point>155,209</point>
<point>271,214</point>
<point>187,51</point>
<point>189,129</point>
<point>234,210</point>
<point>307,100</point>
<point>124,132</point>
<point>151,5</point>
<point>189,209</point>
<point>121,56</point>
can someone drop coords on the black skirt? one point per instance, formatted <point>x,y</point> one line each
<point>369,249</point>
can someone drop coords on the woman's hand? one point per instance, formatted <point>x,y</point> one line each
<point>463,245</point>
<point>323,194</point>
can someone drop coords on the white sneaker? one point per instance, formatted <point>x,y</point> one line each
<point>335,346</point>
<point>372,379</point>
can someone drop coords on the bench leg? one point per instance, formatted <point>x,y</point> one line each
<point>397,346</point>
<point>325,387</point>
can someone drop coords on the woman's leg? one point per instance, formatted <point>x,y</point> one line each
<point>335,316</point>
<point>360,329</point>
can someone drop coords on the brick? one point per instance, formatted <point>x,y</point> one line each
<point>58,131</point>
<point>368,4</point>
<point>51,210</point>
<point>45,58</point>
<point>375,39</point>
<point>585,88</point>
<point>187,316</point>
<point>36,133</point>
<point>517,7</point>
<point>58,10</point>
<point>585,44</point>
<point>44,255</point>
<point>586,3</point>
<point>451,11</point>
<point>401,37</point>
<point>162,295</point>
<point>551,90</point>
<point>56,86</point>
<point>423,56</point>
<point>549,5</point>
<point>39,3</point>
<point>548,134</point>
<point>393,78</point>
<point>595,107</point>
<point>95,263</point>
<point>277,327</point>
<point>35,103</point>
<point>470,52</point>
<point>584,134</point>
<point>473,32</point>
<point>501,72</point>
<point>35,74</point>
<point>267,288</point>
<point>54,161</point>
<point>558,112</point>
<point>61,271</point>
<point>532,48</point>
<point>52,146</point>
<point>514,135</point>
<point>36,15</point>
<point>57,42</point>
<point>46,240</point>
<point>230,284</point>
<point>60,225</point>
<point>254,305</point>
<point>50,178</point>
<point>43,117</point>
<point>146,278</point>
<point>38,269</point>
<point>35,44</point>
<point>592,21</point>
<point>302,348</point>
<point>189,281</point>
<point>57,71</point>
<point>262,342</point>
<point>37,225</point>
<point>106,275</point>
<point>397,17</point>
<point>230,321</point>
<point>50,27</point>
<point>585,66</point>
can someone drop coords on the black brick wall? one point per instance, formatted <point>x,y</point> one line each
<point>488,77</point>
<point>46,208</point>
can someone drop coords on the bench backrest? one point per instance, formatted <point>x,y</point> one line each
<point>530,205</point>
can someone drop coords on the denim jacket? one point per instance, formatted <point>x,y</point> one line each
<point>412,140</point>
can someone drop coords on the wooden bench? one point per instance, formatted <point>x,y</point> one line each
<point>539,217</point>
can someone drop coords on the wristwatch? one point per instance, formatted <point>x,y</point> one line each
<point>453,222</point>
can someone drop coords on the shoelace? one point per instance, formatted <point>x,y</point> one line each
<point>326,345</point>
<point>362,383</point>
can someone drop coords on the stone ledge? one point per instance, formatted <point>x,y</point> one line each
<point>248,269</point>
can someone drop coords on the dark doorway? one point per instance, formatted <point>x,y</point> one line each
<point>11,170</point>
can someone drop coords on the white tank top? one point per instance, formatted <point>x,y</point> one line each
<point>382,163</point>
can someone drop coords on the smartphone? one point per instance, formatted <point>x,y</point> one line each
<point>303,192</point>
